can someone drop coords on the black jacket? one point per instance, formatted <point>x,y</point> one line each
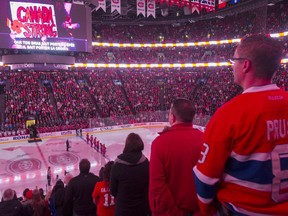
<point>59,201</point>
<point>78,195</point>
<point>129,184</point>
<point>11,208</point>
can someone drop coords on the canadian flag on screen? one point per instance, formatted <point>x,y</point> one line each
<point>222,3</point>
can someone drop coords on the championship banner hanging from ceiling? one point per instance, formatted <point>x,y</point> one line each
<point>141,5</point>
<point>116,5</point>
<point>150,5</point>
<point>151,8</point>
<point>208,5</point>
<point>195,6</point>
<point>102,4</point>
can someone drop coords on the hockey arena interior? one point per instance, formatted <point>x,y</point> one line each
<point>77,76</point>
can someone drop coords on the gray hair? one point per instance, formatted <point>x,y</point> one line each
<point>8,194</point>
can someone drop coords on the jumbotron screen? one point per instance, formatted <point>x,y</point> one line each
<point>45,25</point>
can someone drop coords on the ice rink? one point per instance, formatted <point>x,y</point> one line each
<point>24,165</point>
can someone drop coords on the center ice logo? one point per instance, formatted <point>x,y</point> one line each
<point>24,165</point>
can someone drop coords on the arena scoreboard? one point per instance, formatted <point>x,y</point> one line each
<point>45,25</point>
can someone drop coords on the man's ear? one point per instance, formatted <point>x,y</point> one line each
<point>247,65</point>
<point>173,118</point>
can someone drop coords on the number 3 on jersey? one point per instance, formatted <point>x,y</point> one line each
<point>204,153</point>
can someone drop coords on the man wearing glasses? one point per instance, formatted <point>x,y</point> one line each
<point>244,165</point>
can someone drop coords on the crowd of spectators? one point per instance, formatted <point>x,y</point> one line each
<point>26,96</point>
<point>159,55</point>
<point>72,98</point>
<point>98,98</point>
<point>35,201</point>
<point>107,91</point>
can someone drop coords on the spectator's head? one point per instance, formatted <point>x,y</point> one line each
<point>41,192</point>
<point>59,185</point>
<point>27,194</point>
<point>84,166</point>
<point>8,194</point>
<point>257,57</point>
<point>182,110</point>
<point>133,143</point>
<point>107,171</point>
<point>25,191</point>
<point>36,196</point>
<point>101,171</point>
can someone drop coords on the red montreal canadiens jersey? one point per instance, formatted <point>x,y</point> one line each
<point>244,158</point>
<point>105,203</point>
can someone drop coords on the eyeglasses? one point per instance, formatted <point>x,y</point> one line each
<point>232,60</point>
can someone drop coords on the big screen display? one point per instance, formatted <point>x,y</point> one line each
<point>44,25</point>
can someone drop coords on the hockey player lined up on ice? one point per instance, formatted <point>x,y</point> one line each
<point>102,149</point>
<point>97,145</point>
<point>87,138</point>
<point>94,142</point>
<point>91,140</point>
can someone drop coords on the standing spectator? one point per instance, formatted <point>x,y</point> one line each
<point>49,175</point>
<point>37,207</point>
<point>27,196</point>
<point>101,173</point>
<point>57,187</point>
<point>101,195</point>
<point>244,157</point>
<point>60,194</point>
<point>173,155</point>
<point>10,205</point>
<point>42,193</point>
<point>129,179</point>
<point>78,200</point>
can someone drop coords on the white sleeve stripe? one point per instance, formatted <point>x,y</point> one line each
<point>243,211</point>
<point>203,200</point>
<point>256,156</point>
<point>203,178</point>
<point>251,185</point>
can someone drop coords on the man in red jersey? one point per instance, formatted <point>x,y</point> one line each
<point>173,155</point>
<point>244,158</point>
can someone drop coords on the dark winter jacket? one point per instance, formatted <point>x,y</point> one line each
<point>129,184</point>
<point>11,208</point>
<point>78,195</point>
